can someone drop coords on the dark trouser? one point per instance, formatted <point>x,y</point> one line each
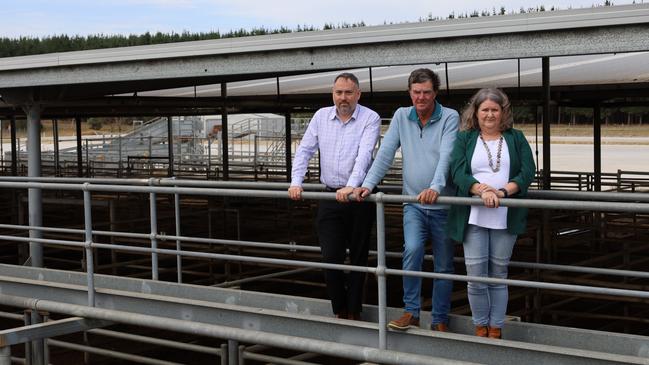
<point>340,227</point>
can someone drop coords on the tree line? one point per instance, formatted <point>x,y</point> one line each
<point>23,46</point>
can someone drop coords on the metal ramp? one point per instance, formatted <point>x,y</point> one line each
<point>150,140</point>
<point>147,141</point>
<point>281,315</point>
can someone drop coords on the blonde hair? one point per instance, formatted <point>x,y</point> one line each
<point>469,114</point>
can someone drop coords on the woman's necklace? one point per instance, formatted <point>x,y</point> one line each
<point>500,149</point>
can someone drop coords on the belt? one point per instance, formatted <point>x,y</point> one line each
<point>330,189</point>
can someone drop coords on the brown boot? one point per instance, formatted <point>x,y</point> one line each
<point>342,315</point>
<point>406,321</point>
<point>440,327</point>
<point>495,332</point>
<point>481,331</point>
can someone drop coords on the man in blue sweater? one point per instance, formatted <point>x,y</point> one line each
<point>425,132</point>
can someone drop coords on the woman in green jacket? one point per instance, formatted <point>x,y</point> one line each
<point>493,161</point>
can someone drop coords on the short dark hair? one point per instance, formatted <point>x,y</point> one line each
<point>469,115</point>
<point>422,75</point>
<point>348,76</point>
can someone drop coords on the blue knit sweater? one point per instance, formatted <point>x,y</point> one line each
<point>425,152</point>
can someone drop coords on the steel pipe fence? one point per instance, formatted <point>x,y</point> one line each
<point>164,181</point>
<point>327,348</point>
<point>295,248</point>
<point>175,187</point>
<point>208,350</point>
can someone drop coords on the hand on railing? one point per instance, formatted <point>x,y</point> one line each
<point>342,194</point>
<point>295,192</point>
<point>361,193</point>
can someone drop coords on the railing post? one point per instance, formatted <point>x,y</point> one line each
<point>179,258</point>
<point>150,154</point>
<point>112,219</point>
<point>233,352</point>
<point>77,122</point>
<point>35,196</point>
<point>380,269</point>
<point>224,354</point>
<point>240,354</point>
<point>154,232</point>
<point>256,151</point>
<point>46,348</point>
<point>38,346</point>
<point>14,148</point>
<point>27,320</point>
<point>170,146</point>
<point>618,181</point>
<point>5,355</point>
<point>119,156</point>
<point>209,158</point>
<point>90,265</point>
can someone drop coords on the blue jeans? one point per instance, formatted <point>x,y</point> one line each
<point>418,226</point>
<point>487,253</point>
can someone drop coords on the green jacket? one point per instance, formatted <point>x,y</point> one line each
<point>521,171</point>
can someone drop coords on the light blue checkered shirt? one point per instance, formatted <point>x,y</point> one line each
<point>345,148</point>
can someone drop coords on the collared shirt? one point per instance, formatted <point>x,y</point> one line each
<point>425,152</point>
<point>345,148</point>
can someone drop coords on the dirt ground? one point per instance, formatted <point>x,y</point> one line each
<point>612,130</point>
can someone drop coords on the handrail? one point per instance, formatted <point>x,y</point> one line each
<point>187,187</point>
<point>164,181</point>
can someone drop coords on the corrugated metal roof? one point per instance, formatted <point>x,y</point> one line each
<point>572,70</point>
<point>467,27</point>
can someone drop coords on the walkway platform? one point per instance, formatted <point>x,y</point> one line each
<point>282,315</point>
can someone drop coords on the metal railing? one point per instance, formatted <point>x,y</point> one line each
<point>606,202</point>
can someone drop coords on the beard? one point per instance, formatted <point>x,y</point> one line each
<point>344,109</point>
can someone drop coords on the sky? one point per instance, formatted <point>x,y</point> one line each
<point>39,18</point>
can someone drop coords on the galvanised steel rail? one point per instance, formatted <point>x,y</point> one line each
<point>209,350</point>
<point>180,187</point>
<point>533,194</point>
<point>218,331</point>
<point>632,197</point>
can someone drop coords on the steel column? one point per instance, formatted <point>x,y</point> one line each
<point>209,158</point>
<point>288,143</point>
<point>225,155</point>
<point>14,152</point>
<point>55,137</point>
<point>371,103</point>
<point>170,145</point>
<point>77,122</point>
<point>546,122</point>
<point>547,173</point>
<point>597,148</point>
<point>34,170</point>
